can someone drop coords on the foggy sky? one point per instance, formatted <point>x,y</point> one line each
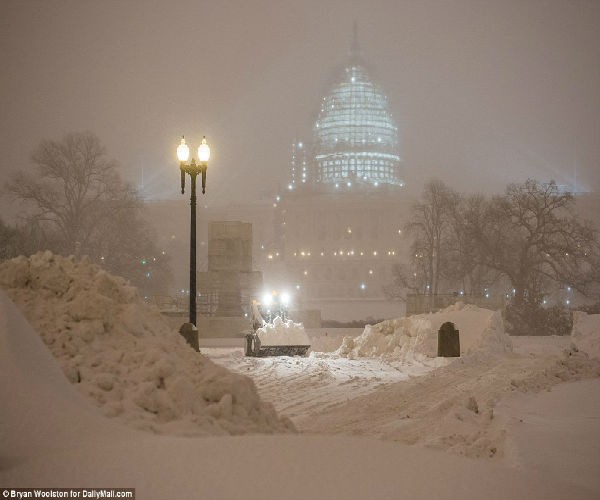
<point>485,92</point>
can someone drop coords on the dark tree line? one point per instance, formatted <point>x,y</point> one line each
<point>528,239</point>
<point>77,204</point>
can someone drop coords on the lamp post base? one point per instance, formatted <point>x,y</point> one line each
<point>190,333</point>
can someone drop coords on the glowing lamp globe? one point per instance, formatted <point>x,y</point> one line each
<point>203,151</point>
<point>183,152</point>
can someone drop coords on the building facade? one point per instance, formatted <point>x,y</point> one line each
<point>338,224</point>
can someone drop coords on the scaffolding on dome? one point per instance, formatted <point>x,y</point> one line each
<point>355,138</point>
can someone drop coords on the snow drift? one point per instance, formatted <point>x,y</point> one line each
<point>586,333</point>
<point>121,353</point>
<point>415,337</point>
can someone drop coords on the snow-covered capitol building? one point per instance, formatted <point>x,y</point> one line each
<point>338,223</point>
<point>355,138</point>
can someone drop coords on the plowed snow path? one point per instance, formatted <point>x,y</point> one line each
<point>451,408</point>
<point>300,387</point>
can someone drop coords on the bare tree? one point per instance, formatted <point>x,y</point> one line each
<point>430,224</point>
<point>79,204</point>
<point>465,265</point>
<point>73,190</point>
<point>532,236</point>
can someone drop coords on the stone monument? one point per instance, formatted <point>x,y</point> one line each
<point>229,284</point>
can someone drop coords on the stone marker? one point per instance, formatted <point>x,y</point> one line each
<point>448,341</point>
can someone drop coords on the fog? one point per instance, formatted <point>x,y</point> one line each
<point>485,93</point>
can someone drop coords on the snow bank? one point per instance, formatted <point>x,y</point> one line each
<point>414,337</point>
<point>283,333</point>
<point>586,333</point>
<point>121,353</point>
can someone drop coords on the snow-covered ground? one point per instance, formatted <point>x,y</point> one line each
<point>378,417</point>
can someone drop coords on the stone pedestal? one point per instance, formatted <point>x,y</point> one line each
<point>190,333</point>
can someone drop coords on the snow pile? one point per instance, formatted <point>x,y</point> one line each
<point>121,353</point>
<point>282,333</point>
<point>415,337</point>
<point>586,333</point>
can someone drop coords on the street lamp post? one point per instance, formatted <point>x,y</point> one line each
<point>190,330</point>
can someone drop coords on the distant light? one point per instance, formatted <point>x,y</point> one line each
<point>363,286</point>
<point>290,187</point>
<point>267,299</point>
<point>297,287</point>
<point>285,298</point>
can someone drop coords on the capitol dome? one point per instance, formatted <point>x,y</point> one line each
<point>355,136</point>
